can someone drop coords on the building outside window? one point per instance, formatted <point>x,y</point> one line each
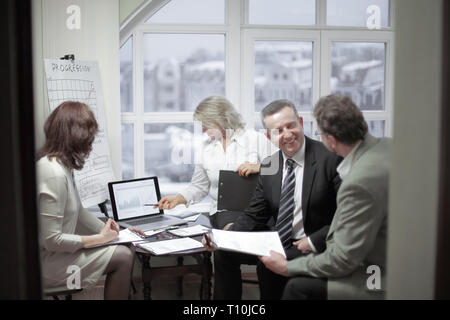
<point>176,53</point>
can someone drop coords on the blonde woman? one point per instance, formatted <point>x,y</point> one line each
<point>229,147</point>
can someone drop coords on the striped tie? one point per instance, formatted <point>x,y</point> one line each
<point>286,211</point>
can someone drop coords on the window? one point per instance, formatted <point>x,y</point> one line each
<point>358,71</point>
<point>282,12</point>
<point>126,76</point>
<point>283,69</point>
<point>188,11</point>
<point>128,150</point>
<point>169,153</point>
<point>356,13</point>
<point>253,52</point>
<point>180,70</point>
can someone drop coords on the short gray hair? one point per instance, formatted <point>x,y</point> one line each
<point>276,106</point>
<point>340,117</point>
<point>219,111</point>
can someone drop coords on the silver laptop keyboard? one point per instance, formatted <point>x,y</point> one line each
<point>145,221</point>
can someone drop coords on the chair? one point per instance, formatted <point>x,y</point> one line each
<point>56,292</point>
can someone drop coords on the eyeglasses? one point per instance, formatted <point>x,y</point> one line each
<point>318,135</point>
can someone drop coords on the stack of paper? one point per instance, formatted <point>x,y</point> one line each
<point>190,231</point>
<point>171,246</point>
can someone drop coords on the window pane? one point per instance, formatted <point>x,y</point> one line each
<point>191,11</point>
<point>376,128</point>
<point>169,154</point>
<point>307,129</point>
<point>282,12</point>
<point>283,70</point>
<point>126,76</point>
<point>127,151</point>
<point>180,70</point>
<point>358,71</point>
<point>353,13</point>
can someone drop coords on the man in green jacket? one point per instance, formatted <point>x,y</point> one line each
<point>353,264</point>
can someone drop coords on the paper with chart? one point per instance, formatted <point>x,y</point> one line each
<point>256,243</point>
<point>80,81</point>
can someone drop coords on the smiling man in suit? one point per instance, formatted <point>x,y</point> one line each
<point>298,200</point>
<point>356,241</point>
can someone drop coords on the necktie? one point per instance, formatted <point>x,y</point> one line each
<point>286,210</point>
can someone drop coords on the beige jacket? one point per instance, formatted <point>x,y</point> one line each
<point>61,216</point>
<point>357,235</point>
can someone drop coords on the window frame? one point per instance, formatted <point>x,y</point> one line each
<point>248,54</point>
<point>357,36</point>
<point>239,60</point>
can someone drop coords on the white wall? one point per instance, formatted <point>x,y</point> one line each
<point>414,180</point>
<point>98,39</point>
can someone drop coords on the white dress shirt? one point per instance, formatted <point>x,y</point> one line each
<point>298,231</point>
<point>245,145</point>
<point>346,165</point>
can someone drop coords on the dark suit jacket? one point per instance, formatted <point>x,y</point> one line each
<point>320,185</point>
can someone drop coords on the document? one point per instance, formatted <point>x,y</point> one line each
<point>171,246</point>
<point>182,212</point>
<point>255,243</point>
<point>190,231</point>
<point>192,218</point>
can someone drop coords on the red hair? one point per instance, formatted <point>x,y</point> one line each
<point>69,133</point>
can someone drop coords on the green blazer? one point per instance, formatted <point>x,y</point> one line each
<point>357,235</point>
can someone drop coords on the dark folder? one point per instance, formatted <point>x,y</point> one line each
<point>235,191</point>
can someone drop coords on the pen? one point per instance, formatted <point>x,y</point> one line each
<point>150,204</point>
<point>138,234</point>
<point>115,226</point>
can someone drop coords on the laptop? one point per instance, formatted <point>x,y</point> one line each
<point>133,203</point>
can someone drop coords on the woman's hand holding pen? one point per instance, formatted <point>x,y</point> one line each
<point>110,231</point>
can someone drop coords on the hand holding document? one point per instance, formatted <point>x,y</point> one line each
<point>255,243</point>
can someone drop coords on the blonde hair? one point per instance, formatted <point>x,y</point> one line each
<point>218,111</point>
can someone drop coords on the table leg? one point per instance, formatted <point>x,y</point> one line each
<point>206,285</point>
<point>180,261</point>
<point>147,287</point>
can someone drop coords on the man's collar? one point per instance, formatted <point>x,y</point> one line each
<point>299,157</point>
<point>346,165</point>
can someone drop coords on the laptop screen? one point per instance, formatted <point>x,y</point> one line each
<point>134,198</point>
